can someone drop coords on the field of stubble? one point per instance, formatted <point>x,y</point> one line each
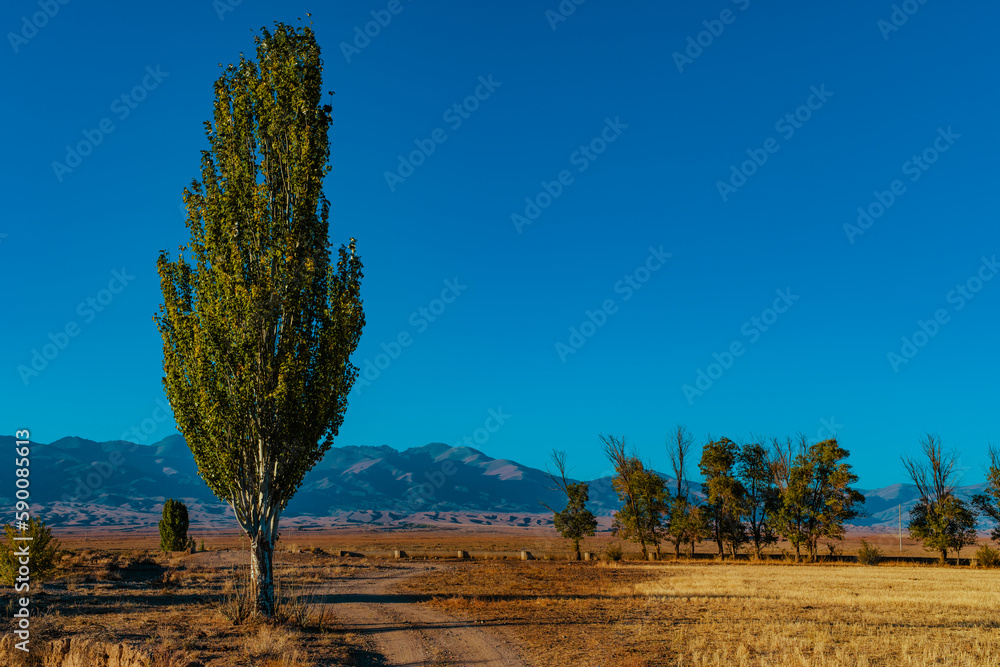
<point>733,614</point>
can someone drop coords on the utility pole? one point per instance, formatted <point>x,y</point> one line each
<point>899,510</point>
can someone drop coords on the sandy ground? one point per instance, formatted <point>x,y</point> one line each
<point>400,631</point>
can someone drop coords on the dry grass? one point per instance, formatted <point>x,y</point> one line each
<point>737,615</point>
<point>174,610</point>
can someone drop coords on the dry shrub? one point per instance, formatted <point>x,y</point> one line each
<point>297,607</point>
<point>869,554</point>
<point>614,552</point>
<point>987,557</point>
<point>236,605</point>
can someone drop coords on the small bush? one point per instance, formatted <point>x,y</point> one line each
<point>869,554</point>
<point>987,557</point>
<point>42,551</point>
<point>174,527</point>
<point>237,605</point>
<point>614,552</point>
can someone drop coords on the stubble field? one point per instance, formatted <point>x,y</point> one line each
<point>116,591</point>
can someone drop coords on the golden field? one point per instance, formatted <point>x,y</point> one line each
<point>735,614</point>
<point>167,611</point>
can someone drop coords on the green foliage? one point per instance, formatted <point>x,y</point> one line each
<point>987,557</point>
<point>760,495</point>
<point>576,521</point>
<point>258,324</point>
<point>940,520</point>
<point>726,495</point>
<point>685,523</point>
<point>869,554</point>
<point>643,494</point>
<point>174,527</point>
<point>641,519</point>
<point>988,503</point>
<point>943,524</point>
<point>821,487</point>
<point>42,552</point>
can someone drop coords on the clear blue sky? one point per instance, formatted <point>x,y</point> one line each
<point>879,97</point>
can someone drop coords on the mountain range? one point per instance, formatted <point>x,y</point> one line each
<point>83,483</point>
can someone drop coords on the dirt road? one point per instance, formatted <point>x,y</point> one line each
<point>400,631</point>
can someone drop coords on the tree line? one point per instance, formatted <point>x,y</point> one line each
<point>761,490</point>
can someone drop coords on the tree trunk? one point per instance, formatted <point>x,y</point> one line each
<point>576,547</point>
<point>797,553</point>
<point>262,574</point>
<point>944,556</point>
<point>692,549</point>
<point>677,550</point>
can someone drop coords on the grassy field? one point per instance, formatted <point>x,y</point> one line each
<point>733,614</point>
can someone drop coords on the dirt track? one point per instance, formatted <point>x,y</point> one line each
<point>400,631</point>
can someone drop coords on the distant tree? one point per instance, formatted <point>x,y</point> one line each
<point>726,495</point>
<point>792,483</point>
<point>42,552</point>
<point>989,502</point>
<point>829,500</point>
<point>942,525</point>
<point>681,526</point>
<point>258,324</point>
<point>940,520</point>
<point>687,524</point>
<point>760,498</point>
<point>643,494</point>
<point>174,526</point>
<point>574,522</point>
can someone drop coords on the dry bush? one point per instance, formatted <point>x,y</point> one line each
<point>298,607</point>
<point>237,606</point>
<point>869,554</point>
<point>987,557</point>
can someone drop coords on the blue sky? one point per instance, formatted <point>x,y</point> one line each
<point>679,197</point>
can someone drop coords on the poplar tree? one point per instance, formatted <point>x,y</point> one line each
<point>258,324</point>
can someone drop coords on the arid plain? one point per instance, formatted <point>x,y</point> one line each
<point>119,603</point>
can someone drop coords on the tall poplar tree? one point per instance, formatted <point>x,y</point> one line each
<point>258,325</point>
